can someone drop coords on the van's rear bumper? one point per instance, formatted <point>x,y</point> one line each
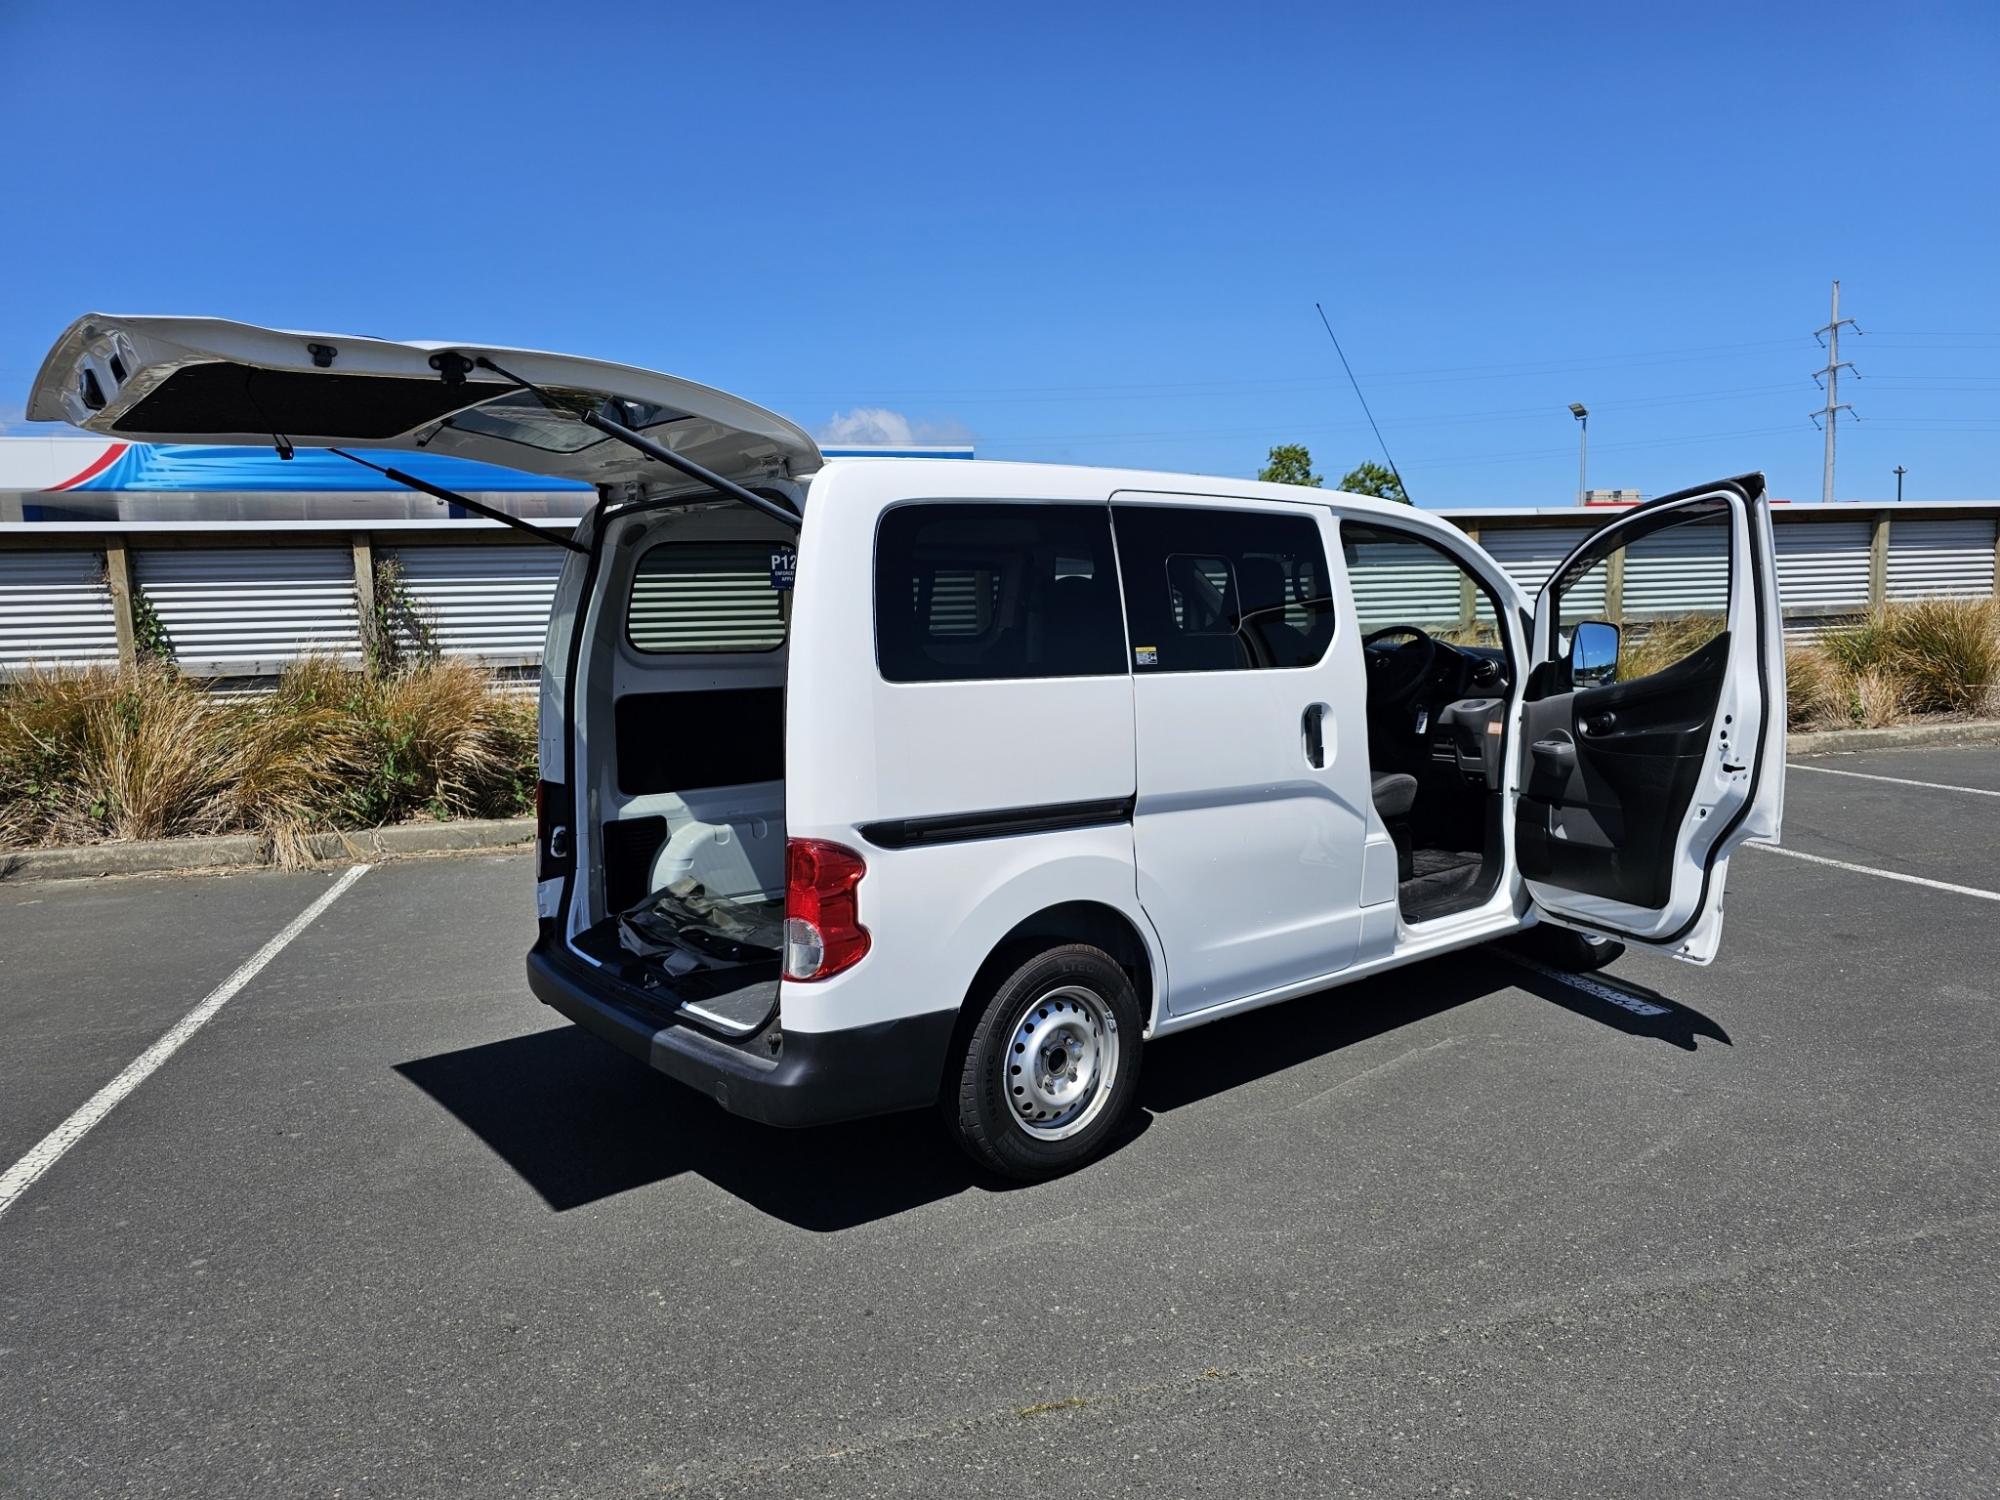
<point>814,1077</point>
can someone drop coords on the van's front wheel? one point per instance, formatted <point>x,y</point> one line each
<point>1567,949</point>
<point>1051,1067</point>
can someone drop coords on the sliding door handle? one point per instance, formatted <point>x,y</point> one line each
<point>1313,723</point>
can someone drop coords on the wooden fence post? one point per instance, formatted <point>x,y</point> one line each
<point>366,621</point>
<point>118,573</point>
<point>1468,596</point>
<point>1614,586</point>
<point>1878,563</point>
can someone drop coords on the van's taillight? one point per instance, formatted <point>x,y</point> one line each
<point>823,931</point>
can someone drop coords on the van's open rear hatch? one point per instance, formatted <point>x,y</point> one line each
<point>210,380</point>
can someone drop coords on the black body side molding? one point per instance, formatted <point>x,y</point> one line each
<point>1000,823</point>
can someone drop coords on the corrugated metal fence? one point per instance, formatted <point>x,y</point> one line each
<point>55,607</point>
<point>246,611</point>
<point>486,602</point>
<point>241,600</point>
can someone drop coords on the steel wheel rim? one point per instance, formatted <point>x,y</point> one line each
<point>1061,1063</point>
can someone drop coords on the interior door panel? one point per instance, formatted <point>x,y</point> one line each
<point>1611,772</point>
<point>1642,768</point>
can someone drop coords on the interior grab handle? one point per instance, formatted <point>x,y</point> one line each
<point>1560,752</point>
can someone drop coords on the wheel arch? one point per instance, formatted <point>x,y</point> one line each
<point>1094,922</point>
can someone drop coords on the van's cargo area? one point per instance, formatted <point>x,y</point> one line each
<point>709,931</point>
<point>716,957</point>
<point>684,682</point>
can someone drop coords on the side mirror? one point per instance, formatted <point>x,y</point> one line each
<point>1593,654</point>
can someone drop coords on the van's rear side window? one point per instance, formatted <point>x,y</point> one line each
<point>705,596</point>
<point>984,592</point>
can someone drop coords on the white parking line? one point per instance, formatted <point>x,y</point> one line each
<point>1933,786</point>
<point>1841,864</point>
<point>50,1149</point>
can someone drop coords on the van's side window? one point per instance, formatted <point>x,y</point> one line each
<point>705,596</point>
<point>1664,585</point>
<point>1222,590</point>
<point>1400,578</point>
<point>978,592</point>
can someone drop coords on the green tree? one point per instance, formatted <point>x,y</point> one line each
<point>1291,463</point>
<point>1373,479</point>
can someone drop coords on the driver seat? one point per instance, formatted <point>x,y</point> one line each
<point>1395,793</point>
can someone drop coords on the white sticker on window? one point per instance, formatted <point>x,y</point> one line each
<point>1146,656</point>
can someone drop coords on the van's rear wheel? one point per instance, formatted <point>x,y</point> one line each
<point>1051,1067</point>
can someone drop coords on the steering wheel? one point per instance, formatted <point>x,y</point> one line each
<point>1396,673</point>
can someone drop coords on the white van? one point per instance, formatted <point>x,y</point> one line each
<point>869,785</point>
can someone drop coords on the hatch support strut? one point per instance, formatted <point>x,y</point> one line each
<point>728,488</point>
<point>452,497</point>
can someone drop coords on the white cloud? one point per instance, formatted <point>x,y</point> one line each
<point>877,424</point>
<point>868,424</point>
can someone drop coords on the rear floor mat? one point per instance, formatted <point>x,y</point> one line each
<point>1443,881</point>
<point>1424,862</point>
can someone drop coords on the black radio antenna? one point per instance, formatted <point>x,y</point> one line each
<point>1361,398</point>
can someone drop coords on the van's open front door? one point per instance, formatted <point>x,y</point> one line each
<point>1653,738</point>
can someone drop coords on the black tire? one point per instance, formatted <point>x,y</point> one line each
<point>1071,997</point>
<point>1567,949</point>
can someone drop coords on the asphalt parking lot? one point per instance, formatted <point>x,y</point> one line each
<point>382,1227</point>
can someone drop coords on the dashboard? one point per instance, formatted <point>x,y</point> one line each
<point>1442,719</point>
<point>1465,671</point>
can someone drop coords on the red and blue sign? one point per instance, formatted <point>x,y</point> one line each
<point>195,466</point>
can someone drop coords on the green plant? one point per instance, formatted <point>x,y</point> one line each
<point>402,632</point>
<point>149,631</point>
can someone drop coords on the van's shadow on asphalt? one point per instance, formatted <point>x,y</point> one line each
<point>580,1121</point>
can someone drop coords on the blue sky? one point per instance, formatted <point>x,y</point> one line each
<point>1082,233</point>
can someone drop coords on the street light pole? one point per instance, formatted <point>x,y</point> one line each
<point>1582,416</point>
<point>1900,472</point>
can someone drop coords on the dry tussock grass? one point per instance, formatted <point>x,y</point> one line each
<point>1879,699</point>
<point>1932,656</point>
<point>1818,694</point>
<point>1664,640</point>
<point>145,753</point>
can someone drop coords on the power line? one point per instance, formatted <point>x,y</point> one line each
<point>1538,454</point>
<point>1425,420</point>
<point>1439,374</point>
